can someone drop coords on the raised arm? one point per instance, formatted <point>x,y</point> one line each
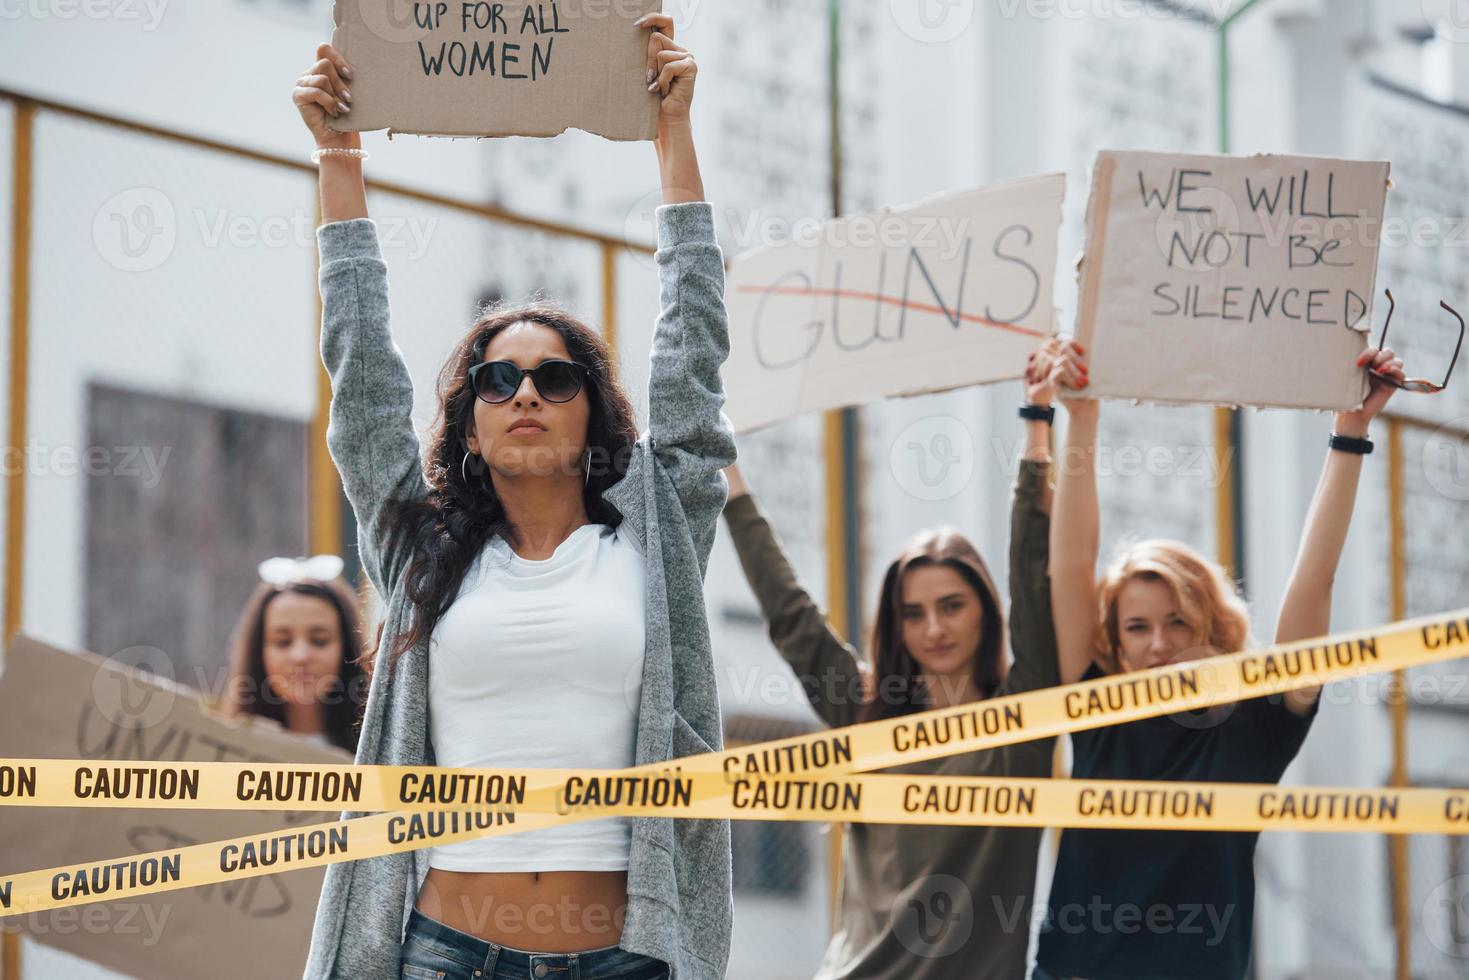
<point>370,431</point>
<point>826,666</point>
<point>1032,632</point>
<point>1075,528</point>
<point>691,437</point>
<point>322,92</point>
<point>1305,611</point>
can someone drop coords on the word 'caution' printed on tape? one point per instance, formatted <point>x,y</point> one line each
<point>809,777</point>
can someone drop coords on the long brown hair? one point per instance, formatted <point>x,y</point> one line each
<point>447,530</point>
<point>249,690</point>
<point>940,546</point>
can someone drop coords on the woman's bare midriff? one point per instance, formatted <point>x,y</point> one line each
<point>541,911</point>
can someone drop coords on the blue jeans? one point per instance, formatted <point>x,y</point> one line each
<point>435,951</point>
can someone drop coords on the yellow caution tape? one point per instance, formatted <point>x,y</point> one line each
<point>948,801</point>
<point>807,777</point>
<point>865,747</point>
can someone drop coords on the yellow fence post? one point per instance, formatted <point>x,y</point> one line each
<point>609,298</point>
<point>20,313</point>
<point>1397,698</point>
<point>1225,504</point>
<point>325,485</point>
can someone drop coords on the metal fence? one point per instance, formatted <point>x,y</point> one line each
<point>1428,510</point>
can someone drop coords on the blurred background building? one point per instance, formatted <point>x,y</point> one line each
<point>165,397</point>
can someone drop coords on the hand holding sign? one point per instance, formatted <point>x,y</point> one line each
<point>1070,379</point>
<point>322,92</point>
<point>1056,362</point>
<point>321,95</point>
<point>1384,368</point>
<point>671,70</point>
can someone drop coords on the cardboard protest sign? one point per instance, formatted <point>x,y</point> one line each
<point>948,292</point>
<point>1230,280</point>
<point>474,68</point>
<point>63,705</point>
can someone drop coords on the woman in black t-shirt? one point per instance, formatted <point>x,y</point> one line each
<point>1162,905</point>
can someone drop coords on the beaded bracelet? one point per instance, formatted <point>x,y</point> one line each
<point>339,151</point>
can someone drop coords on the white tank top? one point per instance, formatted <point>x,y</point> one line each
<point>540,663</point>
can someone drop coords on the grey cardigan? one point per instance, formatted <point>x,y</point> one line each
<point>679,876</point>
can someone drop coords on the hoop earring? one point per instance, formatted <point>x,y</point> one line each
<point>588,481</point>
<point>462,464</point>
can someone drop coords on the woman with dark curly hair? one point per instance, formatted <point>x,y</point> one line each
<point>536,570</point>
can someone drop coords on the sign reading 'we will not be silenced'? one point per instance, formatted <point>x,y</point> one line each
<point>475,68</point>
<point>945,293</point>
<point>1230,280</point>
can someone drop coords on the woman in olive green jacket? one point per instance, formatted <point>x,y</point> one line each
<point>929,902</point>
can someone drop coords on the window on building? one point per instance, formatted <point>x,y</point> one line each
<point>185,500</point>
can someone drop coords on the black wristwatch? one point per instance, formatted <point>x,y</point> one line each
<point>1039,413</point>
<point>1351,444</point>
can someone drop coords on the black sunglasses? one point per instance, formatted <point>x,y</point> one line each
<point>1420,385</point>
<point>497,382</point>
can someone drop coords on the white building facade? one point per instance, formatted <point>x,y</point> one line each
<point>180,272</point>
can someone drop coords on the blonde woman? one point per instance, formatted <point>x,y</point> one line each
<point>1130,905</point>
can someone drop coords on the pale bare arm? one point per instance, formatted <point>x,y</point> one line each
<point>1306,610</point>
<point>322,92</point>
<point>1075,527</point>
